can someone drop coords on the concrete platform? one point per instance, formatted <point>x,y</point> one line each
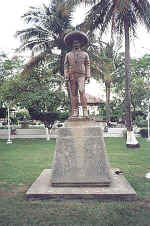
<point>119,189</point>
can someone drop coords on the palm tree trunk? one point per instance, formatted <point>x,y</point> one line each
<point>127,78</point>
<point>62,58</point>
<point>107,85</point>
<point>131,141</point>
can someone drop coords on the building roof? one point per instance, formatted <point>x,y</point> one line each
<point>92,100</point>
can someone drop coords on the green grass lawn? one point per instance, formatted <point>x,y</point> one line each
<point>22,162</point>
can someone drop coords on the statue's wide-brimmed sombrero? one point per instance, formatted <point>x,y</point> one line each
<point>76,35</point>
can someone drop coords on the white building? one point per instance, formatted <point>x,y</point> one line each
<point>93,104</point>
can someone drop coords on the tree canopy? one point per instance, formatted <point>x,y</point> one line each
<point>40,90</point>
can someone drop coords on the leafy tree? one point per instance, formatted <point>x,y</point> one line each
<point>21,115</point>
<point>141,67</point>
<point>40,90</point>
<point>48,118</point>
<point>9,66</point>
<point>8,69</point>
<point>140,91</point>
<point>117,111</point>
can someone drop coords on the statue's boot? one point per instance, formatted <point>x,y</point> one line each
<point>85,112</point>
<point>75,113</point>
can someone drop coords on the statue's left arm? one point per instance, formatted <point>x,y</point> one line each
<point>87,67</point>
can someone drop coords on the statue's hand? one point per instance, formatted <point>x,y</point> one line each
<point>66,79</point>
<point>87,80</point>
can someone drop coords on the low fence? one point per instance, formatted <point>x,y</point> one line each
<point>41,133</point>
<point>114,132</point>
<point>26,133</point>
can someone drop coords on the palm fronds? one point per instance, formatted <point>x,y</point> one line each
<point>45,25</point>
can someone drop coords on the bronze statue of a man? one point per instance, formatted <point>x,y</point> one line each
<point>77,70</point>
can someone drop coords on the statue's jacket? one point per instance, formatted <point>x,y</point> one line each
<point>77,64</point>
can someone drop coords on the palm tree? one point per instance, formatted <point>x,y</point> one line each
<point>102,68</point>
<point>123,16</point>
<point>47,26</point>
<point>108,67</point>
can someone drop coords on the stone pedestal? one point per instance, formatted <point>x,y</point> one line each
<point>80,156</point>
<point>80,167</point>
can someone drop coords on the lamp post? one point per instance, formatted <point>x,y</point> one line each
<point>9,141</point>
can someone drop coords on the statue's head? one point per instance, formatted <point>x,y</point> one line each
<point>76,44</point>
<point>76,39</point>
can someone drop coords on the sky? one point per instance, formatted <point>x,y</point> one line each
<point>10,22</point>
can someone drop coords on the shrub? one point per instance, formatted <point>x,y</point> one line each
<point>3,112</point>
<point>141,123</point>
<point>22,115</point>
<point>144,133</point>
